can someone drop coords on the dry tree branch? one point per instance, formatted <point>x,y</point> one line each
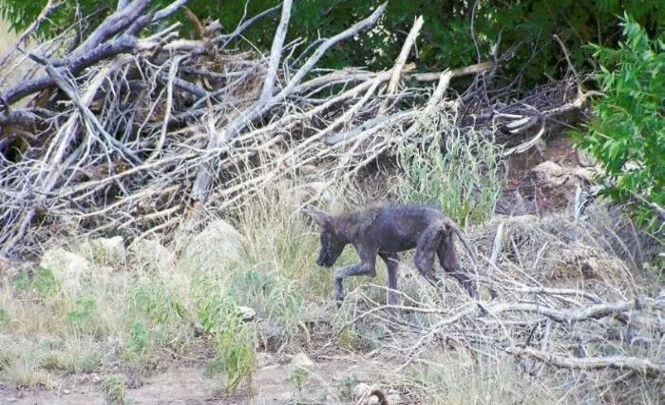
<point>404,54</point>
<point>201,187</point>
<point>276,52</point>
<point>642,366</point>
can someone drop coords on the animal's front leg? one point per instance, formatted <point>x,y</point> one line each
<point>360,269</point>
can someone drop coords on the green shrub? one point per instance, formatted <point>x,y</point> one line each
<point>83,314</point>
<point>115,389</point>
<point>627,132</point>
<point>139,339</point>
<point>156,302</point>
<point>45,283</point>
<point>235,340</point>
<point>299,377</point>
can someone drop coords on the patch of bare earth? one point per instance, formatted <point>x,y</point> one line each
<point>191,385</point>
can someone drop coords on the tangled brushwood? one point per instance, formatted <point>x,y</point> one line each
<point>131,127</point>
<point>567,309</point>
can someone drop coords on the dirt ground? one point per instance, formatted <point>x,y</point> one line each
<point>329,380</point>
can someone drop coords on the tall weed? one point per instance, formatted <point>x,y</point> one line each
<point>460,174</point>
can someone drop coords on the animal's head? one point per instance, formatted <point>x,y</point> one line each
<point>332,243</point>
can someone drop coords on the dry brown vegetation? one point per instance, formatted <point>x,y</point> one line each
<point>127,255</point>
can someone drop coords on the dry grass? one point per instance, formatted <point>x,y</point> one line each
<point>458,377</point>
<point>141,309</point>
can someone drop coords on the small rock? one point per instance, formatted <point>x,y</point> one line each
<point>66,391</point>
<point>217,245</point>
<point>248,314</point>
<point>551,174</point>
<point>151,255</point>
<point>361,390</point>
<point>108,251</point>
<point>362,393</point>
<point>5,264</point>
<point>266,359</point>
<point>68,268</point>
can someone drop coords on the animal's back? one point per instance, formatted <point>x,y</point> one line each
<point>398,227</point>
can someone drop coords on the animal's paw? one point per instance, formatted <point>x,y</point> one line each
<point>339,298</point>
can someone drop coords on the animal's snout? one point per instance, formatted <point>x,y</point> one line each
<point>324,261</point>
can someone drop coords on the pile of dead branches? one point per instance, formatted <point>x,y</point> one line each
<point>122,130</point>
<point>563,302</point>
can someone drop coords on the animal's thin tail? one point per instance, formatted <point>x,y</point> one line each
<point>461,237</point>
<point>452,225</point>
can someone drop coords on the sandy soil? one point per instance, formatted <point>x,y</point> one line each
<point>189,385</point>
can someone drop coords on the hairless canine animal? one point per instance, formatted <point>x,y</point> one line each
<point>384,231</point>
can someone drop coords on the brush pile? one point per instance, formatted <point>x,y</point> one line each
<point>566,305</point>
<point>131,127</point>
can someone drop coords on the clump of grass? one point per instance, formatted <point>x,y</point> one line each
<point>20,363</point>
<point>299,377</point>
<point>4,317</point>
<point>235,340</point>
<point>25,371</point>
<point>82,316</point>
<point>458,377</point>
<point>346,386</point>
<point>278,277</point>
<point>115,389</point>
<point>459,173</point>
<point>139,312</point>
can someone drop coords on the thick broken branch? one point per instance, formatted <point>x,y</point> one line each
<point>201,187</point>
<point>642,366</point>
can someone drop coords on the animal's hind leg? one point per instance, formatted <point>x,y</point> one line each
<point>391,260</point>
<point>425,251</point>
<point>450,263</point>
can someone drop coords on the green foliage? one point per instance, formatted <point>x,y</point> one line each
<point>346,386</point>
<point>446,39</point>
<point>157,303</point>
<point>4,317</point>
<point>22,280</point>
<point>627,133</point>
<point>115,389</point>
<point>464,180</point>
<point>298,378</point>
<point>139,338</point>
<point>235,341</point>
<point>86,362</point>
<point>20,13</point>
<point>236,357</point>
<point>83,314</point>
<point>45,283</point>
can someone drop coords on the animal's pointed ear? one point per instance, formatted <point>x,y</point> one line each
<point>321,218</point>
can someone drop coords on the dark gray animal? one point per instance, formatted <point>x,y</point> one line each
<point>384,231</point>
